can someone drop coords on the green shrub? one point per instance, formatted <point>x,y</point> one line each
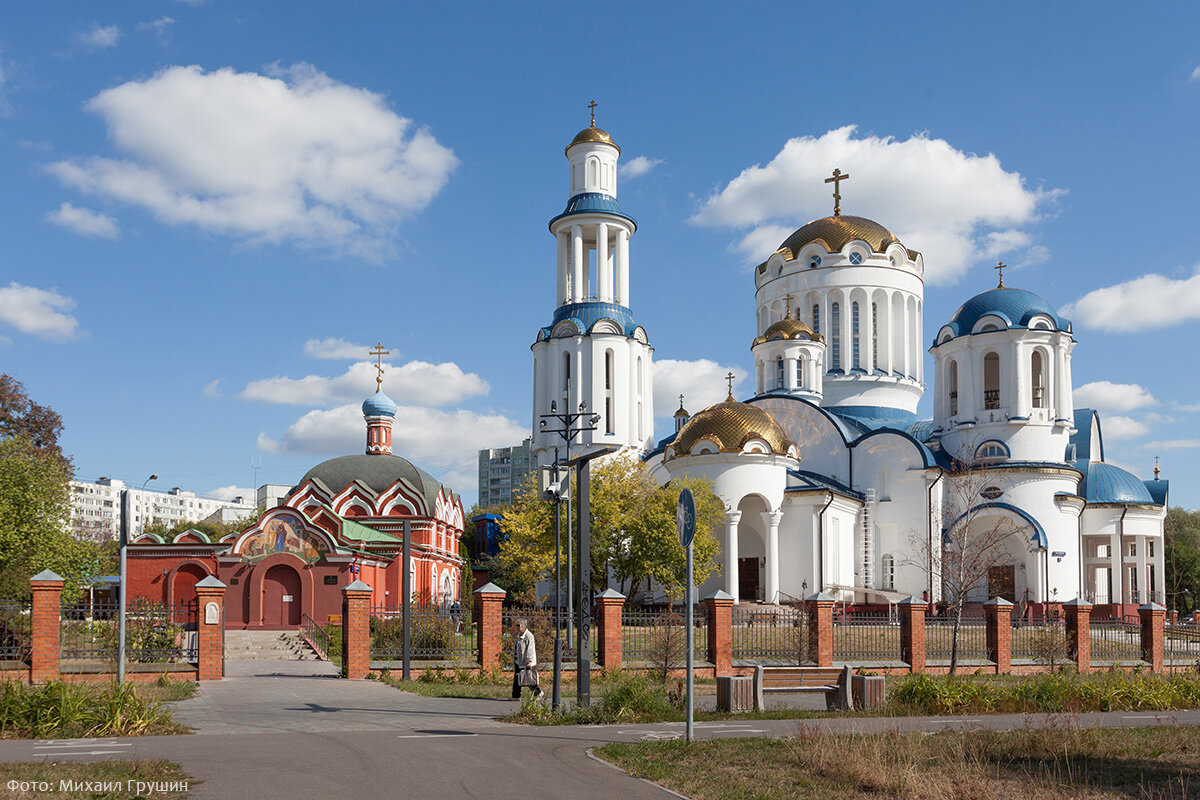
<point>71,710</point>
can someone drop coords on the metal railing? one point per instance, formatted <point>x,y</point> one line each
<point>867,636</point>
<point>1116,640</point>
<point>1039,639</point>
<point>1181,644</point>
<point>435,634</point>
<point>16,637</point>
<point>325,640</point>
<point>939,638</point>
<point>652,635</point>
<point>154,632</point>
<point>772,634</point>
<point>541,622</point>
<point>991,399</point>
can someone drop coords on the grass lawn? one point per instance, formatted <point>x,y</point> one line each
<point>125,773</point>
<point>1058,763</point>
<point>498,686</point>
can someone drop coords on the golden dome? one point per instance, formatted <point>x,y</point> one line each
<point>593,134</point>
<point>787,328</point>
<point>834,233</point>
<point>729,425</point>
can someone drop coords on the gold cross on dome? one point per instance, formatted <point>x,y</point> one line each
<point>379,353</point>
<point>681,409</point>
<point>592,106</point>
<point>836,180</point>
<point>729,378</point>
<point>787,298</point>
<point>1001,266</point>
<point>1156,469</point>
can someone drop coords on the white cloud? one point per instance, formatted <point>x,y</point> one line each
<point>414,382</point>
<point>84,221</point>
<point>39,312</point>
<point>1108,396</point>
<point>99,37</point>
<point>335,349</point>
<point>1195,76</point>
<point>1173,444</point>
<point>636,167</point>
<point>159,26</point>
<point>1118,427</point>
<point>227,493</point>
<point>293,156</point>
<point>212,388</point>
<point>937,199</point>
<point>1188,406</point>
<point>1151,301</point>
<point>702,383</point>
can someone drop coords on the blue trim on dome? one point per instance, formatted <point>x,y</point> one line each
<point>1107,483</point>
<point>1039,534</point>
<point>1015,306</point>
<point>586,315</point>
<point>379,405</point>
<point>1158,490</point>
<point>593,203</point>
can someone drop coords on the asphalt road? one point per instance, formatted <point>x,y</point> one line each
<point>293,730</point>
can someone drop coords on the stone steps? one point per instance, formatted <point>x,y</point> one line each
<point>264,645</point>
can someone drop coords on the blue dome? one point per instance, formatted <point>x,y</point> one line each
<point>378,405</point>
<point>1106,483</point>
<point>586,315</point>
<point>593,202</point>
<point>1015,306</point>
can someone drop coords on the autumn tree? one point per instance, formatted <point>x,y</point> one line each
<point>1181,531</point>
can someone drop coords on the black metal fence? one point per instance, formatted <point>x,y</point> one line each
<point>154,632</point>
<point>16,636</point>
<point>541,623</point>
<point>435,634</point>
<point>1181,644</point>
<point>1042,640</point>
<point>772,634</point>
<point>1115,640</point>
<point>661,635</point>
<point>939,638</point>
<point>866,636</point>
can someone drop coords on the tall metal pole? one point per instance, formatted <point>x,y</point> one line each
<point>555,695</point>
<point>584,544</point>
<point>126,515</point>
<point>571,640</point>
<point>688,620</point>
<point>406,591</point>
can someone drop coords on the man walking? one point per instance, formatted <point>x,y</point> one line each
<point>524,661</point>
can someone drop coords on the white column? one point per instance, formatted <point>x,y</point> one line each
<point>793,379</point>
<point>578,266</point>
<point>622,259</point>
<point>1021,383</point>
<point>731,553</point>
<point>1062,389</point>
<point>603,265</point>
<point>888,357</point>
<point>564,277</point>
<point>1116,568</point>
<point>771,519</point>
<point>904,367</point>
<point>1143,582</point>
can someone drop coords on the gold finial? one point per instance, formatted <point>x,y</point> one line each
<point>836,180</point>
<point>729,378</point>
<point>1001,266</point>
<point>787,298</point>
<point>379,353</point>
<point>592,106</point>
<point>1156,469</point>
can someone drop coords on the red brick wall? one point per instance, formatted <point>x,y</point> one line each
<point>1152,635</point>
<point>820,630</point>
<point>356,633</point>
<point>489,608</point>
<point>45,612</point>
<point>610,646</point>
<point>720,634</point>
<point>999,635</point>
<point>211,637</point>
<point>1079,635</point>
<point>912,635</point>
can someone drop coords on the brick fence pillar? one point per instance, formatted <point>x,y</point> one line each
<point>1079,633</point>
<point>912,633</point>
<point>1173,617</point>
<point>489,623</point>
<point>998,614</point>
<point>46,611</point>
<point>609,605</point>
<point>210,629</point>
<point>356,630</point>
<point>720,632</point>
<point>1152,634</point>
<point>820,627</point>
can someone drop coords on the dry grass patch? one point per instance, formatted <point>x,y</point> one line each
<point>1063,762</point>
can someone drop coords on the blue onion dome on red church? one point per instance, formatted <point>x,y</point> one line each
<point>1016,308</point>
<point>728,427</point>
<point>379,405</point>
<point>834,233</point>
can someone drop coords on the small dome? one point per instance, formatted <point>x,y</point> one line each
<point>1015,306</point>
<point>593,134</point>
<point>379,405</point>
<point>834,233</point>
<point>1106,483</point>
<point>682,412</point>
<point>730,425</point>
<point>787,328</point>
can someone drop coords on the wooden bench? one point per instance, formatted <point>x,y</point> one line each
<point>834,682</point>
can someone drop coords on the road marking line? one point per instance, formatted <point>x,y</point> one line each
<point>77,752</point>
<point>1144,716</point>
<point>432,735</point>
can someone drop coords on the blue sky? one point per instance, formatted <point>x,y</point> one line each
<point>210,210</point>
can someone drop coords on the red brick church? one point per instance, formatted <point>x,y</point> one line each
<point>343,521</point>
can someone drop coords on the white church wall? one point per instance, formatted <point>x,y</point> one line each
<point>797,543</point>
<point>821,445</point>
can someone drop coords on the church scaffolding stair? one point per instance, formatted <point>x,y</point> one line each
<point>267,645</point>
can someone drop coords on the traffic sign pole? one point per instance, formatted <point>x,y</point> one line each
<point>685,523</point>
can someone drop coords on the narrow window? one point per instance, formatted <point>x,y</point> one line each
<point>566,376</point>
<point>816,321</point>
<point>953,381</point>
<point>835,334</point>
<point>889,571</point>
<point>854,355</point>
<point>779,379</point>
<point>800,372</point>
<point>1039,380</point>
<point>874,336</point>
<point>991,381</point>
<point>608,391</point>
<point>593,172</point>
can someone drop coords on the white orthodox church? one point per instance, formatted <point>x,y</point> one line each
<point>830,481</point>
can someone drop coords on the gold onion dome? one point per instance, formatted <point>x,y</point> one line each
<point>787,328</point>
<point>729,426</point>
<point>834,233</point>
<point>593,134</point>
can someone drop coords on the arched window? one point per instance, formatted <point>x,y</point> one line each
<point>566,379</point>
<point>952,381</point>
<point>854,352</point>
<point>835,335</point>
<point>780,381</point>
<point>800,372</point>
<point>889,571</point>
<point>874,336</point>
<point>991,381</point>
<point>816,318</point>
<point>593,172</point>
<point>991,452</point>
<point>608,391</point>
<point>1039,380</point>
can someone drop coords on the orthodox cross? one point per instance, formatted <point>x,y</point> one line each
<point>681,408</point>
<point>379,353</point>
<point>729,378</point>
<point>788,312</point>
<point>1001,266</point>
<point>1156,469</point>
<point>592,106</point>
<point>836,180</point>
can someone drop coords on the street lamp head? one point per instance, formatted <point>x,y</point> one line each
<point>595,419</point>
<point>542,424</point>
<point>553,407</point>
<point>582,406</point>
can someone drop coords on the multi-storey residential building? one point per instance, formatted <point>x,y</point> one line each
<point>96,507</point>
<point>502,472</point>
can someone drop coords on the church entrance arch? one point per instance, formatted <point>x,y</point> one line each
<point>183,590</point>
<point>752,549</point>
<point>281,597</point>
